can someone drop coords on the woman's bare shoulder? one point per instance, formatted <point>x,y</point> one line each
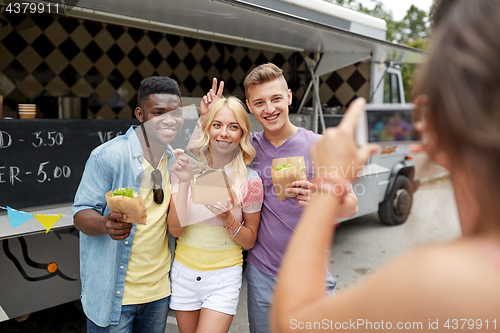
<point>458,260</point>
<point>448,279</point>
<point>435,282</point>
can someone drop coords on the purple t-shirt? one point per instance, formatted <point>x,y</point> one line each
<point>278,218</point>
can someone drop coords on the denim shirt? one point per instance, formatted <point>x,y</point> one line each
<point>103,261</point>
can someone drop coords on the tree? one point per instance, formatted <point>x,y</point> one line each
<point>414,26</point>
<point>380,11</point>
<point>409,71</point>
<point>414,33</point>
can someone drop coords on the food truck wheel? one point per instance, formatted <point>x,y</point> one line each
<point>396,208</point>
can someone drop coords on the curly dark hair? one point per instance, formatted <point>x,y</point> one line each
<point>158,85</point>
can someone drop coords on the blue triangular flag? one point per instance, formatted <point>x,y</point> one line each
<point>16,217</point>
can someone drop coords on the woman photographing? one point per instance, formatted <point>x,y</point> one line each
<point>460,120</point>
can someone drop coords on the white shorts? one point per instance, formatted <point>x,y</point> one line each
<point>217,290</point>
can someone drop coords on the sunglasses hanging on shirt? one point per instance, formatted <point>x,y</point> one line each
<point>155,175</point>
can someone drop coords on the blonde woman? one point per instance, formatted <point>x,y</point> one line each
<point>207,272</point>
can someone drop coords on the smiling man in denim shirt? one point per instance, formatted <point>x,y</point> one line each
<point>125,267</point>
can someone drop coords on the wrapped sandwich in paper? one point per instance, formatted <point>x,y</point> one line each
<point>285,171</point>
<point>126,201</point>
<point>211,187</point>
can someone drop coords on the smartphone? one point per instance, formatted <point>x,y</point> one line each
<point>387,123</point>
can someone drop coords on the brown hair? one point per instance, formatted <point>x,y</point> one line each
<point>462,83</point>
<point>264,73</point>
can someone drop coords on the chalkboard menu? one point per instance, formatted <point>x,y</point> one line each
<point>42,160</point>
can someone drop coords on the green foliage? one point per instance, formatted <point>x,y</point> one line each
<point>382,12</point>
<point>409,71</point>
<point>414,26</point>
<point>414,33</point>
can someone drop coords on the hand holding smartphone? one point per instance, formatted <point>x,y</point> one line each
<point>387,123</point>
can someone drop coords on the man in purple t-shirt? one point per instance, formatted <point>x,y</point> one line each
<point>268,98</point>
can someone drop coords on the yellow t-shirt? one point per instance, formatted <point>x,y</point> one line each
<point>148,268</point>
<point>205,247</point>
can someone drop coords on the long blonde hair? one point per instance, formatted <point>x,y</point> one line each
<point>242,157</point>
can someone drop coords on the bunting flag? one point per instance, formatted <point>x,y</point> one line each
<point>16,217</point>
<point>48,221</point>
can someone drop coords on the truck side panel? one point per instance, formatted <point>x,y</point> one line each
<point>38,272</point>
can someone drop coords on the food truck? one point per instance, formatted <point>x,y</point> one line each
<point>81,63</point>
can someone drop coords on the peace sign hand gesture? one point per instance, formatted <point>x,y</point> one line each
<point>210,97</point>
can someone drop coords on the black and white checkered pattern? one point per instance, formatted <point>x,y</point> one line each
<point>105,63</point>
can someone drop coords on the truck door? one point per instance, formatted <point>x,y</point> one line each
<point>393,86</point>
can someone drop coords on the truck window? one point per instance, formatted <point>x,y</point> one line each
<point>391,89</point>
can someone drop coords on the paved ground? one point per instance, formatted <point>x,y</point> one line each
<point>360,246</point>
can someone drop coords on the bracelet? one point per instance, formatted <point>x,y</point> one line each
<point>231,226</point>
<point>198,123</point>
<point>237,230</point>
